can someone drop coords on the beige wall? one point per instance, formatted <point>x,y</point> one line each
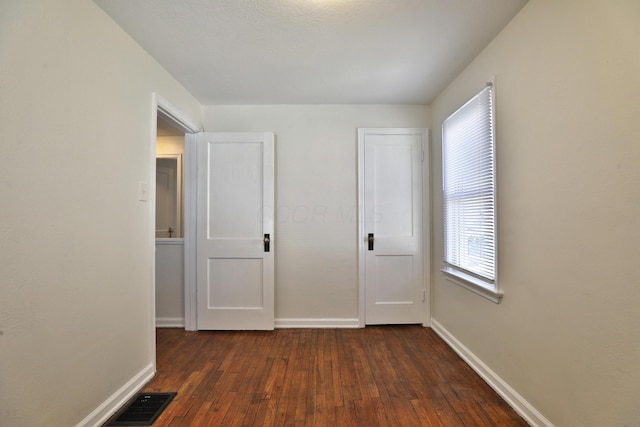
<point>567,335</point>
<point>316,196</point>
<point>170,283</point>
<point>170,145</point>
<point>76,244</point>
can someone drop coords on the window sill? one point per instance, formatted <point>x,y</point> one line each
<point>472,284</point>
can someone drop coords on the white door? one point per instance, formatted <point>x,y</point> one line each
<point>165,200</point>
<point>391,163</point>
<point>168,195</point>
<point>234,242</point>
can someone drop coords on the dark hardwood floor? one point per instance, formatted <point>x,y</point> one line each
<point>376,376</point>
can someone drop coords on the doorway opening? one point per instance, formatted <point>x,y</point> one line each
<point>169,243</point>
<point>169,164</point>
<point>169,178</point>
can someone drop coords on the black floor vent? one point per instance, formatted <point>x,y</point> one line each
<point>142,410</point>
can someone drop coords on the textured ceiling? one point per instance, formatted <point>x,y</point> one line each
<point>313,51</point>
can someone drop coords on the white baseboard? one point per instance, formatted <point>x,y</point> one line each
<point>109,407</point>
<point>317,323</point>
<point>169,322</point>
<point>515,400</point>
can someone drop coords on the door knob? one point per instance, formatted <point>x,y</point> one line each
<point>267,241</point>
<point>370,240</point>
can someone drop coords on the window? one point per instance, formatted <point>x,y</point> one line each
<point>469,193</point>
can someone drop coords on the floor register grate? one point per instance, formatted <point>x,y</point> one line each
<point>142,410</point>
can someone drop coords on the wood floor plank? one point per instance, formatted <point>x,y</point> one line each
<point>199,419</point>
<point>427,417</point>
<point>375,376</point>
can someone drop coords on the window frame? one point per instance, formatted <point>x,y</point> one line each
<point>476,283</point>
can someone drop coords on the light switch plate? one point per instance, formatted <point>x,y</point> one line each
<point>143,191</point>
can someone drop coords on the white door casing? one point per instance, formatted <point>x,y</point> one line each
<point>235,199</point>
<point>391,226</point>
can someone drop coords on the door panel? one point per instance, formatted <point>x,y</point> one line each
<point>394,285</point>
<point>235,201</point>
<point>165,199</point>
<point>235,190</point>
<point>393,187</point>
<point>235,282</point>
<point>392,214</point>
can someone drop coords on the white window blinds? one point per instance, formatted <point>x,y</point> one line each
<point>468,159</point>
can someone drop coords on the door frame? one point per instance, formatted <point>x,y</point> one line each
<point>161,106</point>
<point>426,217</point>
